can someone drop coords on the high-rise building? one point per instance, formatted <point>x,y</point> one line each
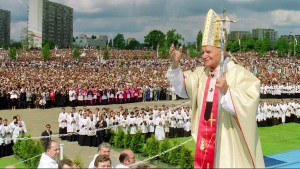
<point>5,18</point>
<point>235,35</point>
<point>50,21</point>
<point>260,33</point>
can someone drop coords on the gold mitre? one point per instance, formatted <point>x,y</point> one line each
<point>212,30</point>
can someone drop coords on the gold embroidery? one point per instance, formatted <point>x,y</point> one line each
<point>202,146</point>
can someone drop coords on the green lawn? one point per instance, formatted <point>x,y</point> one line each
<point>283,137</point>
<point>275,139</point>
<point>10,160</point>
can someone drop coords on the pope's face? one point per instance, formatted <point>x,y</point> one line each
<point>211,56</point>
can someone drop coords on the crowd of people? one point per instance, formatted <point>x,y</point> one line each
<point>278,112</point>
<point>124,77</point>
<point>9,132</point>
<point>89,127</point>
<point>101,159</point>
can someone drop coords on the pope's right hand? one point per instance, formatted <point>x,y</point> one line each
<point>175,56</point>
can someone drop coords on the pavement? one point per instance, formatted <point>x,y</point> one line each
<point>36,120</point>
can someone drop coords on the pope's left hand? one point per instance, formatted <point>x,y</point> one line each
<point>222,85</point>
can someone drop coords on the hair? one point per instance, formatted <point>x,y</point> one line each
<point>101,158</point>
<point>123,157</point>
<point>65,162</point>
<point>48,146</point>
<point>104,145</point>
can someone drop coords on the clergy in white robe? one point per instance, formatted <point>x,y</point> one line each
<point>159,131</point>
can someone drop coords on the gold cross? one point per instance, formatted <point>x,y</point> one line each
<point>211,120</point>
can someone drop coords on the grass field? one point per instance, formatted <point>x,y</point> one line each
<point>283,137</point>
<point>275,139</point>
<point>9,161</point>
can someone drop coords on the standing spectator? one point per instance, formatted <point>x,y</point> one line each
<point>23,98</point>
<point>101,132</point>
<point>28,98</point>
<point>49,157</point>
<point>47,134</point>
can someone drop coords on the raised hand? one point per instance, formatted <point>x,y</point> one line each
<point>175,56</point>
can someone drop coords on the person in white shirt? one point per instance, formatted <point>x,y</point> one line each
<point>62,123</point>
<point>103,149</point>
<point>18,132</point>
<point>23,123</point>
<point>48,159</point>
<point>126,159</point>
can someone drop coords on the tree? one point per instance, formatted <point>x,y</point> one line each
<point>106,54</point>
<point>164,51</point>
<point>199,41</point>
<point>133,44</point>
<point>17,45</point>
<point>5,46</point>
<point>173,38</point>
<point>267,42</point>
<point>12,53</point>
<point>154,38</point>
<point>49,42</point>
<point>119,41</point>
<point>76,53</point>
<point>282,46</point>
<point>260,47</point>
<point>110,43</point>
<point>46,53</point>
<point>247,43</point>
<point>193,52</point>
<point>298,48</point>
<point>93,37</point>
<point>233,46</point>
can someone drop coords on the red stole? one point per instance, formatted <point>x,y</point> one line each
<point>205,145</point>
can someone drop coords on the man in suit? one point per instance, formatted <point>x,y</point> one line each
<point>101,134</point>
<point>47,133</point>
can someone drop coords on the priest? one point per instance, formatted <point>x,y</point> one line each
<point>225,138</point>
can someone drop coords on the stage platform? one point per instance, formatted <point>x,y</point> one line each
<point>289,159</point>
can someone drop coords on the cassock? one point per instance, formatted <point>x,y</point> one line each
<point>238,144</point>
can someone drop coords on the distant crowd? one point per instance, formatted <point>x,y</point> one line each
<point>278,112</point>
<point>89,127</point>
<point>125,77</point>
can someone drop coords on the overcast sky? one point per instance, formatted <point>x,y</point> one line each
<point>136,18</point>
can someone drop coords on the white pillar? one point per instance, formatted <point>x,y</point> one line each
<point>61,151</point>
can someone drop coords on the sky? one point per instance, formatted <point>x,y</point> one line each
<point>136,18</point>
